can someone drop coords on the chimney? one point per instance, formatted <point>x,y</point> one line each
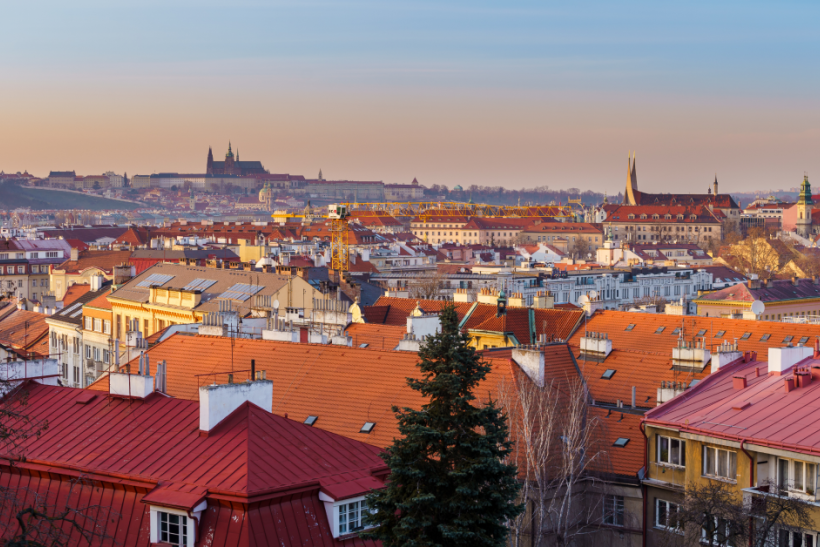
<point>633,396</point>
<point>739,382</point>
<point>216,402</point>
<point>724,354</point>
<point>75,254</point>
<point>794,281</point>
<point>96,282</point>
<point>134,386</point>
<point>531,361</point>
<point>782,359</point>
<point>596,343</point>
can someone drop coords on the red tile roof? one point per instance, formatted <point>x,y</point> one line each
<point>376,336</point>
<point>104,260</point>
<point>25,330</point>
<point>74,292</point>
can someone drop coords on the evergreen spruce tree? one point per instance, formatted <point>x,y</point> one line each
<point>448,485</point>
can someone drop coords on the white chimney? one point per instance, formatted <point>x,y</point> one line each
<point>531,361</point>
<point>124,384</point>
<point>216,402</point>
<point>96,282</point>
<point>597,343</point>
<point>782,359</point>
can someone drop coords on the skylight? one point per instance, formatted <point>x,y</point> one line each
<point>363,345</point>
<point>310,420</point>
<point>720,333</point>
<point>621,442</point>
<point>367,427</point>
<point>803,340</point>
<point>608,374</point>
<point>765,337</point>
<point>676,331</point>
<point>701,332</point>
<point>660,330</point>
<point>746,336</point>
<point>630,326</point>
<point>787,339</point>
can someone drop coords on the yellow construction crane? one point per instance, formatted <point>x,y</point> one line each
<point>339,246</point>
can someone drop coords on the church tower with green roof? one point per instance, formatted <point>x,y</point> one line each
<point>804,208</point>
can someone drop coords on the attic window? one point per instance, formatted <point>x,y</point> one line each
<point>676,331</point>
<point>803,340</point>
<point>363,345</point>
<point>367,427</point>
<point>787,339</point>
<point>660,330</point>
<point>701,332</point>
<point>630,326</point>
<point>608,374</point>
<point>310,420</point>
<point>720,333</point>
<point>621,442</point>
<point>765,337</point>
<point>746,336</point>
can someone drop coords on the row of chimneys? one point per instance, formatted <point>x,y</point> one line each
<point>763,283</point>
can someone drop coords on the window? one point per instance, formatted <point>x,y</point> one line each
<point>746,336</point>
<point>98,325</point>
<point>787,339</point>
<point>350,516</point>
<point>671,451</point>
<point>797,476</point>
<point>76,375</point>
<point>87,351</point>
<point>89,322</point>
<point>720,333</point>
<point>803,340</point>
<point>719,463</point>
<point>367,427</point>
<point>621,442</point>
<point>173,529</point>
<point>107,327</point>
<point>630,326</point>
<point>614,510</point>
<point>106,356</point>
<point>701,332</point>
<point>765,337</point>
<point>608,374</point>
<point>676,331</point>
<point>666,514</point>
<point>721,531</point>
<point>660,330</point>
<point>310,420</point>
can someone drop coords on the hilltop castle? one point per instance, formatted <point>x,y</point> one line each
<point>232,165</point>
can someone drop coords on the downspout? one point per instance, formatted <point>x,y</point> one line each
<point>646,472</point>
<point>751,485</point>
<point>196,524</point>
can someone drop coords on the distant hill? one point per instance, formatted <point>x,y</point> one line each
<point>13,196</point>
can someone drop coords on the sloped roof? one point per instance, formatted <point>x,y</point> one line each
<point>251,451</point>
<point>762,413</point>
<point>376,336</point>
<point>22,329</point>
<point>134,236</point>
<point>624,461</point>
<point>104,260</point>
<point>776,290</point>
<point>74,292</point>
<point>344,387</point>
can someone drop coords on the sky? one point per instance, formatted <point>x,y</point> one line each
<point>513,94</point>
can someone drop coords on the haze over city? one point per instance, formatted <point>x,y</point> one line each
<point>521,94</point>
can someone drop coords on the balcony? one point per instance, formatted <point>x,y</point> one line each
<point>666,476</point>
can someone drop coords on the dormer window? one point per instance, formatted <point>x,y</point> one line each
<point>643,217</point>
<point>631,217</point>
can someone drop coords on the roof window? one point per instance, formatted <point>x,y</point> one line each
<point>803,340</point>
<point>701,332</point>
<point>765,337</point>
<point>310,420</point>
<point>720,333</point>
<point>676,331</point>
<point>608,374</point>
<point>363,345</point>
<point>746,336</point>
<point>788,339</point>
<point>621,442</point>
<point>630,326</point>
<point>660,330</point>
<point>367,427</point>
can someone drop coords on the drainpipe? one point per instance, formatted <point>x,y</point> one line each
<point>196,523</point>
<point>646,472</point>
<point>751,485</point>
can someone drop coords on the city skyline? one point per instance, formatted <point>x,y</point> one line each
<point>519,96</point>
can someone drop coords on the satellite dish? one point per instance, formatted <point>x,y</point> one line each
<point>593,294</point>
<point>758,307</point>
<point>583,300</point>
<point>276,304</point>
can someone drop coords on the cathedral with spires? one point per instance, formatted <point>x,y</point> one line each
<point>232,165</point>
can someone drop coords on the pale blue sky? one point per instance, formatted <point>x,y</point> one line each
<point>517,93</point>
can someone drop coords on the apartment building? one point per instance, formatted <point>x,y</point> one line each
<point>749,427</point>
<point>783,299</point>
<point>668,223</point>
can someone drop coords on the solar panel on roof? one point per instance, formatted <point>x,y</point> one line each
<point>155,280</point>
<point>241,292</point>
<point>198,284</point>
<point>71,307</point>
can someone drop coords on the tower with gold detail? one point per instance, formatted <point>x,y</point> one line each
<point>804,208</point>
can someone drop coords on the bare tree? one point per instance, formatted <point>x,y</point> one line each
<point>580,248</point>
<point>714,513</point>
<point>426,286</point>
<point>557,445</point>
<point>757,255</point>
<point>29,518</point>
